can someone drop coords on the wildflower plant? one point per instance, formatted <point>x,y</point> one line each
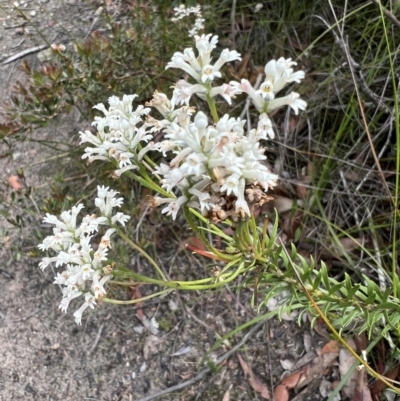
<point>210,169</point>
<point>214,171</point>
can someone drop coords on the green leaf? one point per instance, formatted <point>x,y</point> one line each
<point>349,317</point>
<point>317,280</point>
<point>337,288</point>
<point>325,277</point>
<point>351,293</point>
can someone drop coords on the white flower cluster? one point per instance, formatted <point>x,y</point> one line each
<point>118,133</point>
<point>218,168</point>
<point>182,12</point>
<point>278,73</point>
<point>86,270</point>
<point>203,72</point>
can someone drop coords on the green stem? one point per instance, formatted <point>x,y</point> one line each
<point>182,285</point>
<point>151,185</point>
<point>141,251</point>
<point>213,108</point>
<point>135,301</point>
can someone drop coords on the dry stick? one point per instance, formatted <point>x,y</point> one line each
<point>195,379</point>
<point>387,13</point>
<point>22,319</point>
<point>24,53</point>
<point>97,339</point>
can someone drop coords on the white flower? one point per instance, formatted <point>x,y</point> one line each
<point>227,91</point>
<point>241,204</point>
<point>98,286</point>
<point>202,197</point>
<point>90,301</point>
<point>245,86</point>
<point>162,168</point>
<point>231,185</point>
<point>205,44</point>
<point>178,61</point>
<point>120,218</point>
<point>181,12</point>
<point>106,238</point>
<point>161,102</point>
<point>291,100</point>
<point>183,92</point>
<point>87,136</point>
<point>266,90</point>
<point>225,57</point>
<point>279,73</point>
<point>173,206</point>
<point>119,172</point>
<point>69,293</point>
<point>172,179</point>
<point>46,261</point>
<point>208,73</point>
<point>264,127</point>
<point>194,164</point>
<point>50,219</point>
<point>107,200</point>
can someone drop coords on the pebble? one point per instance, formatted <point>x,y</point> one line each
<point>32,13</point>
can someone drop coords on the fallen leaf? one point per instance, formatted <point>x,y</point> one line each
<point>331,347</point>
<point>282,204</point>
<point>361,342</point>
<point>281,393</point>
<point>136,294</point>
<point>346,361</point>
<point>195,243</point>
<point>227,396</point>
<point>254,381</point>
<point>315,368</point>
<point>182,351</point>
<point>14,182</point>
<point>378,386</point>
<point>306,358</point>
<point>291,380</point>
